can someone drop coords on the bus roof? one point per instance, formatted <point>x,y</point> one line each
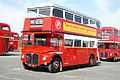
<point>108,28</point>
<point>4,24</point>
<point>49,4</point>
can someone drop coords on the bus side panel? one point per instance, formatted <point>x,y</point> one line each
<point>75,56</point>
<point>70,56</point>
<point>47,24</point>
<point>83,55</point>
<point>80,55</point>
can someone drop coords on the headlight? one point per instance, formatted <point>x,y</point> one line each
<point>11,42</point>
<point>110,54</point>
<point>23,56</point>
<point>44,58</point>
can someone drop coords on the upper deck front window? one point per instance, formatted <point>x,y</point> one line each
<point>106,32</point>
<point>39,11</point>
<point>44,11</point>
<point>4,28</point>
<point>32,12</point>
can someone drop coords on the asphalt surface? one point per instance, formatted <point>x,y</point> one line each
<point>12,69</point>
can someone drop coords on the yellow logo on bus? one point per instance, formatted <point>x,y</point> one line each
<point>80,29</point>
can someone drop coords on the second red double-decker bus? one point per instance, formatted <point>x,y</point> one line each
<point>13,41</point>
<point>108,44</point>
<point>57,38</point>
<point>4,37</point>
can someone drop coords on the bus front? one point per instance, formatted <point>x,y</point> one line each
<point>4,37</point>
<point>13,42</point>
<point>39,41</point>
<point>108,44</point>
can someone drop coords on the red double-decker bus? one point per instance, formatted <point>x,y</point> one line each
<point>4,37</point>
<point>13,42</point>
<point>56,37</point>
<point>108,44</point>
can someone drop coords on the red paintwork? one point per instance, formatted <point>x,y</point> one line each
<point>70,56</point>
<point>111,39</point>
<point>4,38</point>
<point>13,42</point>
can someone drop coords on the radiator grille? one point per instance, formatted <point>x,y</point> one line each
<point>32,59</point>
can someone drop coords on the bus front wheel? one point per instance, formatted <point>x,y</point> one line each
<point>55,65</point>
<point>26,67</point>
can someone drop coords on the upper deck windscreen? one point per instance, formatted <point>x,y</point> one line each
<point>106,32</point>
<point>4,27</point>
<point>38,11</point>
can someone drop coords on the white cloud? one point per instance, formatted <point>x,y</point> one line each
<point>13,16</point>
<point>113,19</point>
<point>103,5</point>
<point>57,1</point>
<point>108,17</point>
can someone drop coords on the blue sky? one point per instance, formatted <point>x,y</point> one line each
<point>107,11</point>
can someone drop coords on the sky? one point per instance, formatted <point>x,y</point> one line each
<point>13,12</point>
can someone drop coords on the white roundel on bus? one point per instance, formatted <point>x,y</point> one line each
<point>58,24</point>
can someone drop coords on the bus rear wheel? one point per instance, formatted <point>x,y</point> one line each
<point>114,59</point>
<point>92,61</point>
<point>55,65</point>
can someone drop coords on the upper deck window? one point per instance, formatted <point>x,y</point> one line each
<point>68,16</point>
<point>92,21</point>
<point>58,13</point>
<point>41,11</point>
<point>32,10</point>
<point>4,28</point>
<point>85,20</point>
<point>106,32</point>
<point>45,11</point>
<point>77,18</point>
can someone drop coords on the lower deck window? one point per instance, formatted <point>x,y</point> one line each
<point>85,43</point>
<point>55,42</point>
<point>40,39</point>
<point>77,43</point>
<point>68,42</point>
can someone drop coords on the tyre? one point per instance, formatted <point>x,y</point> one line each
<point>92,61</point>
<point>114,59</point>
<point>10,49</point>
<point>26,67</point>
<point>55,65</point>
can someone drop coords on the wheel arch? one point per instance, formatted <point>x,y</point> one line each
<point>57,56</point>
